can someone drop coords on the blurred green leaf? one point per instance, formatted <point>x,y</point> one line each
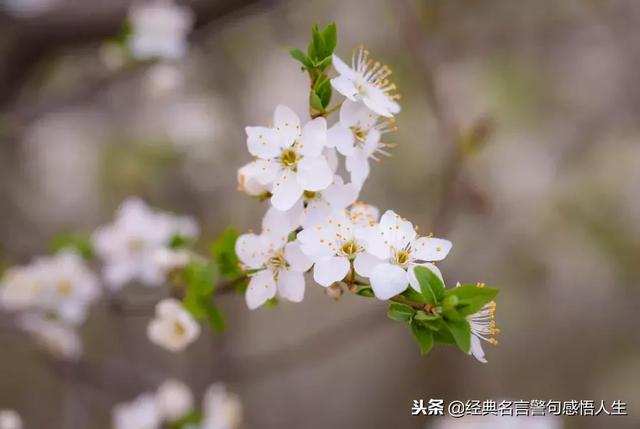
<point>315,101</point>
<point>193,417</point>
<point>298,55</point>
<point>365,291</point>
<point>76,242</point>
<point>223,251</point>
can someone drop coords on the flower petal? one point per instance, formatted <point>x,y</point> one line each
<point>296,259</point>
<point>314,137</point>
<point>388,280</point>
<point>342,138</point>
<point>261,287</point>
<point>355,113</point>
<point>250,250</point>
<point>345,86</point>
<point>358,166</point>
<point>314,174</point>
<point>331,270</point>
<point>431,249</point>
<point>476,349</point>
<point>262,142</point>
<point>286,124</point>
<point>291,285</point>
<point>342,68</point>
<point>364,263</point>
<point>286,190</point>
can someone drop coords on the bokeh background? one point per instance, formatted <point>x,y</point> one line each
<point>544,204</point>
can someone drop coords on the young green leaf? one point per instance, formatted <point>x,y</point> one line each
<point>299,56</point>
<point>366,292</point>
<point>461,332</point>
<point>224,253</point>
<point>471,298</point>
<point>431,286</point>
<point>400,312</point>
<point>330,38</point>
<point>423,316</point>
<point>315,101</point>
<point>423,336</point>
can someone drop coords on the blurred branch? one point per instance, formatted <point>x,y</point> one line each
<point>36,40</point>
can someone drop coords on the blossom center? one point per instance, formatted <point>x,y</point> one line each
<point>135,244</point>
<point>310,195</point>
<point>289,158</point>
<point>349,248</point>
<point>360,134</point>
<point>179,328</point>
<point>277,261</point>
<point>65,288</point>
<point>402,257</point>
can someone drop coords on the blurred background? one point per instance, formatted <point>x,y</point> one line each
<point>518,140</point>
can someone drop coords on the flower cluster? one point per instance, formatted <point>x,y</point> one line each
<point>173,403</point>
<point>138,245</point>
<point>315,223</point>
<point>53,295</point>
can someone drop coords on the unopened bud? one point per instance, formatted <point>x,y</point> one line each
<point>334,291</point>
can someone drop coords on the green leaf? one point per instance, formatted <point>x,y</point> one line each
<point>315,101</point>
<point>322,88</point>
<point>330,38</point>
<point>443,336</point>
<point>400,312</point>
<point>192,418</point>
<point>365,291</point>
<point>214,317</point>
<point>180,242</point>
<point>431,286</point>
<point>317,42</point>
<point>299,56</point>
<point>412,295</point>
<point>471,298</point>
<point>201,277</point>
<point>75,242</point>
<point>423,316</point>
<point>223,251</point>
<point>423,336</point>
<point>461,332</point>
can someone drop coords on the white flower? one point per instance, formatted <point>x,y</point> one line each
<point>248,180</point>
<point>364,214</point>
<point>10,419</point>
<point>141,413</point>
<point>169,259</point>
<point>289,157</point>
<point>280,265</point>
<point>55,337</point>
<point>357,136</point>
<point>128,246</point>
<point>160,29</point>
<point>333,246</point>
<point>69,287</point>
<point>315,207</point>
<point>19,288</point>
<point>483,327</point>
<point>222,410</point>
<point>398,249</point>
<point>173,327</point>
<point>174,400</point>
<point>366,82</point>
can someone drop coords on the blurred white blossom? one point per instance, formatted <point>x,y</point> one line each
<point>130,244</point>
<point>60,340</point>
<point>173,327</point>
<point>10,419</point>
<point>174,399</point>
<point>160,29</point>
<point>141,413</point>
<point>221,409</point>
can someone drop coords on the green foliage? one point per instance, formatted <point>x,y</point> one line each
<point>366,292</point>
<point>191,419</point>
<point>315,62</point>
<point>79,243</point>
<point>180,242</point>
<point>400,312</point>
<point>423,336</point>
<point>439,315</point>
<point>470,299</point>
<point>431,286</point>
<point>200,279</point>
<point>223,251</point>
